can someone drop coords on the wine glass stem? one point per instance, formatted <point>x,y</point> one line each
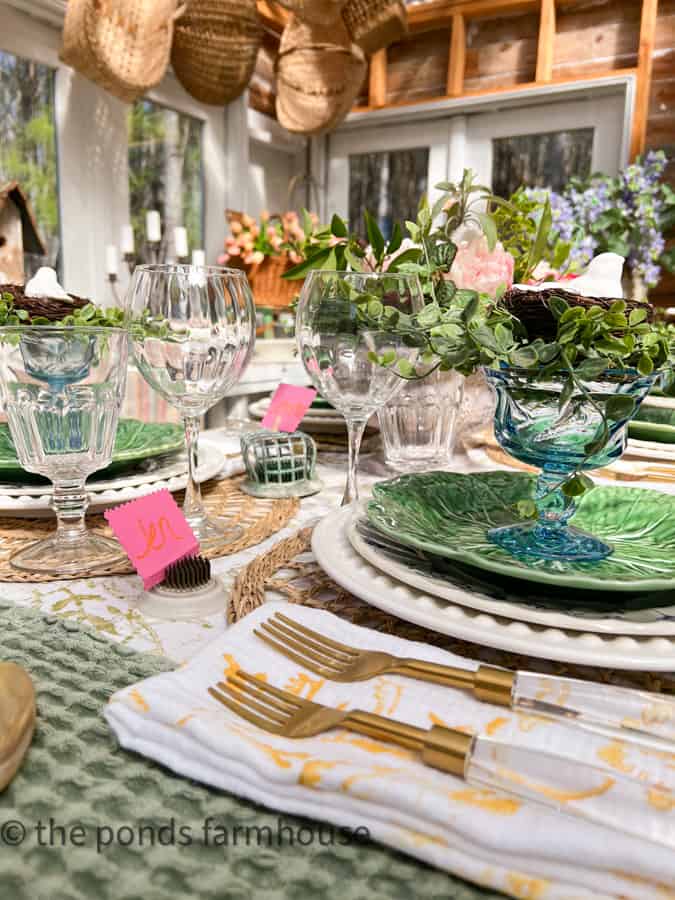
<point>192,505</point>
<point>553,507</point>
<point>70,502</point>
<point>355,429</point>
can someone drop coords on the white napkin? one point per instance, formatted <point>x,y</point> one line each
<point>340,777</point>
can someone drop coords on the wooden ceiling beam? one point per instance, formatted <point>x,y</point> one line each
<point>457,56</point>
<point>546,42</point>
<point>644,76</point>
<point>439,13</point>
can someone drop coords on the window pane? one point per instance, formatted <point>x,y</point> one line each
<point>541,160</point>
<point>165,173</point>
<point>389,185</point>
<point>28,145</point>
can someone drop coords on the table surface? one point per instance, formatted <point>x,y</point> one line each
<point>111,605</point>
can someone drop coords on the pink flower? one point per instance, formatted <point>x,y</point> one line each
<point>257,257</point>
<point>475,268</point>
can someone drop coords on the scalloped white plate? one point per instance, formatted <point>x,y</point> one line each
<point>653,620</point>
<point>129,487</point>
<point>335,554</point>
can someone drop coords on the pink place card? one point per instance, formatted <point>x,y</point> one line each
<point>289,404</point>
<point>154,532</point>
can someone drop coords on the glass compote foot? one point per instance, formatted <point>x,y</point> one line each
<point>534,427</point>
<point>62,389</point>
<point>340,352</point>
<point>198,336</point>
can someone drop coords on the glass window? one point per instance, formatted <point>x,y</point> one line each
<point>541,160</point>
<point>389,185</point>
<point>28,146</point>
<point>166,174</point>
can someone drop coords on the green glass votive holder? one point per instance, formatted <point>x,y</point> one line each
<point>279,464</point>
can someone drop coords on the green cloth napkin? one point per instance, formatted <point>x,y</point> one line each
<point>83,819</point>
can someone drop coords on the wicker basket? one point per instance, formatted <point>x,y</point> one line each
<point>316,12</point>
<point>121,45</point>
<point>374,24</point>
<point>215,48</point>
<point>319,75</point>
<point>269,288</point>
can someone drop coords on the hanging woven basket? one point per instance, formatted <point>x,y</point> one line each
<point>215,48</point>
<point>374,24</point>
<point>319,75</point>
<point>316,12</point>
<point>121,45</point>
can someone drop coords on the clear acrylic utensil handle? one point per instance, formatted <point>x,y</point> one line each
<point>570,786</point>
<point>596,704</point>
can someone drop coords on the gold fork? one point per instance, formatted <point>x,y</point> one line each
<point>338,662</point>
<point>279,712</point>
<point>482,762</point>
<point>552,696</point>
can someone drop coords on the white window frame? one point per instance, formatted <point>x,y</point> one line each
<point>92,150</point>
<point>459,114</point>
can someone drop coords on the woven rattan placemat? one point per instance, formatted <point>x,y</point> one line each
<point>259,519</point>
<point>85,820</point>
<point>289,571</point>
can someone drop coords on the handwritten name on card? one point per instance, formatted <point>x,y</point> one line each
<point>154,532</point>
<point>289,405</point>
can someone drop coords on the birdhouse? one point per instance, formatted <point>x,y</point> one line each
<point>18,233</point>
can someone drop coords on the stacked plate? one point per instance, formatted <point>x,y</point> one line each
<point>419,550</point>
<point>651,435</point>
<point>147,457</point>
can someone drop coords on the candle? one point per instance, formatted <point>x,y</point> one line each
<point>127,245</point>
<point>111,259</point>
<point>180,241</point>
<point>153,226</point>
<point>198,258</point>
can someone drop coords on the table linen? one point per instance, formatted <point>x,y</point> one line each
<point>491,838</point>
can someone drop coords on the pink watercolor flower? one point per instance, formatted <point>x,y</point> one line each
<point>476,268</point>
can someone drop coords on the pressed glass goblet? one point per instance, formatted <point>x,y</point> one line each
<point>198,336</point>
<point>62,390</point>
<point>339,352</point>
<point>532,425</point>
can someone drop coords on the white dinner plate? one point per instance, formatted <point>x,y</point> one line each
<point>335,554</point>
<point>477,593</point>
<point>650,450</point>
<point>103,495</point>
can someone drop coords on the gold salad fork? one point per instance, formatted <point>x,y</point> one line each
<point>531,774</point>
<point>553,696</point>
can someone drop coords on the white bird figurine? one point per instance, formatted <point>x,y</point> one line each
<point>45,283</point>
<point>602,278</point>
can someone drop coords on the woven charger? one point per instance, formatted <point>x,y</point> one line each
<point>259,519</point>
<point>289,571</point>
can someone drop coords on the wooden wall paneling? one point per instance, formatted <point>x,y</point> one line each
<point>644,76</point>
<point>596,38</point>
<point>417,68</point>
<point>546,42</point>
<point>377,82</point>
<point>501,52</point>
<point>457,57</point>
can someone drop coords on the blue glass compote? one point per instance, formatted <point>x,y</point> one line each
<point>532,425</point>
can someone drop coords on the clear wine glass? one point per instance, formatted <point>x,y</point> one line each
<point>62,389</point>
<point>197,338</point>
<point>340,348</point>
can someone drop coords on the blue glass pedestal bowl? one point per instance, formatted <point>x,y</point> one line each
<point>534,427</point>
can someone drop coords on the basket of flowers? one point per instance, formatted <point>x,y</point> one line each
<point>266,250</point>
